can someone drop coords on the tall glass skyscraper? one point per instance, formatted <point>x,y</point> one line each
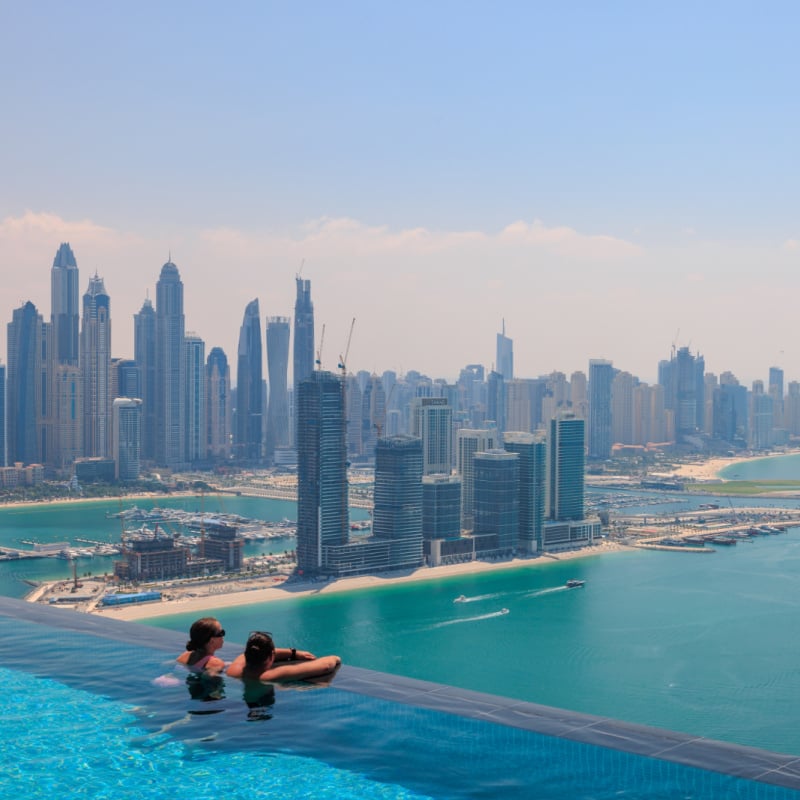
<point>24,395</point>
<point>170,372</point>
<point>531,449</point>
<point>249,394</point>
<point>566,468</point>
<point>127,427</point>
<point>601,376</point>
<point>278,427</point>
<point>398,499</point>
<point>144,346</point>
<point>303,348</point>
<point>470,442</point>
<point>95,365</point>
<point>64,306</point>
<point>322,502</point>
<point>496,504</point>
<point>3,452</point>
<point>218,405</point>
<point>195,414</point>
<point>505,355</point>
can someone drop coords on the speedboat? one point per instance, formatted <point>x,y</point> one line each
<point>504,611</point>
<point>460,599</point>
<point>574,583</point>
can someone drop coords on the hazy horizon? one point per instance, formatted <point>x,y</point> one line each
<point>609,180</point>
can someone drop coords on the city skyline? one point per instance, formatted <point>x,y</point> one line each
<point>627,166</point>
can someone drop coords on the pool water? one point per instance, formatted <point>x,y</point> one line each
<point>90,715</point>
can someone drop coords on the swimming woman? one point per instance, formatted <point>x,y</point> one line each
<point>258,663</point>
<point>206,637</point>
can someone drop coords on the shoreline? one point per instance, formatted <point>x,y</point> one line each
<point>243,596</point>
<point>709,468</point>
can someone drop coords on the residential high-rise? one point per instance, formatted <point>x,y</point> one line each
<point>24,393</point>
<point>322,502</point>
<point>126,378</point>
<point>397,515</point>
<point>64,306</point>
<point>278,424</point>
<point>127,427</point>
<point>249,377</point>
<point>218,405</point>
<point>622,416</point>
<point>95,363</point>
<point>531,450</point>
<point>601,377</point>
<point>776,392</point>
<point>684,391</point>
<point>441,507</point>
<point>303,347</point>
<point>471,441</point>
<point>144,348</point>
<point>566,468</point>
<point>170,372</point>
<point>3,452</point>
<point>496,497</point>
<point>432,422</point>
<point>505,355</point>
<point>195,414</point>
<point>496,400</point>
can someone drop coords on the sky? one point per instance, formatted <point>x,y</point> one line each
<point>608,179</point>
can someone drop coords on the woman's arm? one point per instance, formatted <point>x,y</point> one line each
<point>237,667</point>
<point>292,654</point>
<point>303,670</point>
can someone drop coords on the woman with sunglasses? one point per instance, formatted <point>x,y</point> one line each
<point>259,663</point>
<point>206,637</point>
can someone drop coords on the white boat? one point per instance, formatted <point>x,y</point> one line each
<point>460,599</point>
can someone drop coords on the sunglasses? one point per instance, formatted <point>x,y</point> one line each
<point>260,633</point>
<point>219,635</point>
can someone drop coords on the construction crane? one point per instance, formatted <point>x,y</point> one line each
<point>343,359</point>
<point>318,361</point>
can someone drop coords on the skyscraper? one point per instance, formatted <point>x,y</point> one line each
<point>127,427</point>
<point>397,516</point>
<point>531,449</point>
<point>3,453</point>
<point>432,422</point>
<point>218,405</point>
<point>505,355</point>
<point>441,506</point>
<point>322,503</point>
<point>496,497</point>
<point>566,468</point>
<point>24,394</point>
<point>144,348</point>
<point>95,362</point>
<point>684,391</point>
<point>278,424</point>
<point>303,348</point>
<point>469,442</point>
<point>601,376</point>
<point>64,306</point>
<point>249,377</point>
<point>170,372</point>
<point>195,415</point>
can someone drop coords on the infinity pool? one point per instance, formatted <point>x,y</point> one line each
<point>95,708</point>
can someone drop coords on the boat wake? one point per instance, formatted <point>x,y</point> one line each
<point>552,590</point>
<point>464,599</point>
<point>501,613</point>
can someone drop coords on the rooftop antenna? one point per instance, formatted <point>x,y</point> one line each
<point>300,271</point>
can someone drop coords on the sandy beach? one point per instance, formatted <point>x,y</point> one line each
<point>709,469</point>
<point>215,598</point>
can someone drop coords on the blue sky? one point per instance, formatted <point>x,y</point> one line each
<point>607,177</point>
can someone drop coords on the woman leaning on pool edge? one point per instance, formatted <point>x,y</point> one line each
<point>206,636</point>
<point>258,662</point>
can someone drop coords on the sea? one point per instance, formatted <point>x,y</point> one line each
<point>704,644</point>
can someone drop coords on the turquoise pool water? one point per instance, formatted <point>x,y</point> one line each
<point>90,716</point>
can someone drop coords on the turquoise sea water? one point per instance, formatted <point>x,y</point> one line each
<point>706,644</point>
<point>771,467</point>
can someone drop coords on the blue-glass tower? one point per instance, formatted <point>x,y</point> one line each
<point>249,390</point>
<point>566,468</point>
